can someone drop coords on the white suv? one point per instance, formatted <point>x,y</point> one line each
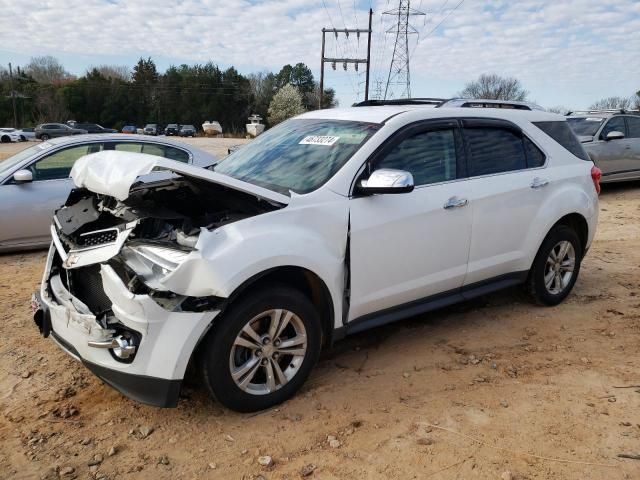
<point>331,223</point>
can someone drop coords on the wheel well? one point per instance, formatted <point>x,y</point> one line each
<point>301,279</point>
<point>579,225</point>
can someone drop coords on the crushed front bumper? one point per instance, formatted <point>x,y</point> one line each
<point>167,338</point>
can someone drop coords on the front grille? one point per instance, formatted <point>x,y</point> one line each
<point>100,237</point>
<point>85,283</point>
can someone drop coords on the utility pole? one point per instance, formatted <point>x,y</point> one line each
<point>346,61</point>
<point>399,69</point>
<point>13,97</point>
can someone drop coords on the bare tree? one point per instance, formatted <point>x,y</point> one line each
<point>47,70</point>
<point>612,103</point>
<point>115,72</point>
<point>495,87</point>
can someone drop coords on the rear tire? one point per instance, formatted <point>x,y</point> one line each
<point>261,351</point>
<point>556,267</point>
<point>5,139</point>
<point>44,137</point>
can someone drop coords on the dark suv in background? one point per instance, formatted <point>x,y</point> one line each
<point>172,129</point>
<point>612,140</point>
<point>46,131</point>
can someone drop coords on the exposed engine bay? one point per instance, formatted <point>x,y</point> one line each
<point>170,212</point>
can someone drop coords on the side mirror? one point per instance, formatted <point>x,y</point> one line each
<point>387,180</point>
<point>23,176</point>
<point>614,135</point>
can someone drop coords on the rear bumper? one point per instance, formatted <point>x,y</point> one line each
<point>167,338</point>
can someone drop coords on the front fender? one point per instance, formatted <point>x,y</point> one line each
<point>310,237</point>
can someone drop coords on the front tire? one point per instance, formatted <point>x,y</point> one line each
<point>556,266</point>
<point>262,349</point>
<point>44,137</point>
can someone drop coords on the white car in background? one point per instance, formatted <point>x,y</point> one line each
<point>328,224</point>
<point>8,135</point>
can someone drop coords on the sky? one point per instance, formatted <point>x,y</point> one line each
<point>565,52</point>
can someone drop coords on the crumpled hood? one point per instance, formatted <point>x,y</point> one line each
<point>113,173</point>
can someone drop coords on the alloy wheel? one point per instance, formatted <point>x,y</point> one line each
<point>268,352</point>
<point>559,268</point>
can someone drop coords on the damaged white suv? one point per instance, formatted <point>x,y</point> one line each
<point>328,224</point>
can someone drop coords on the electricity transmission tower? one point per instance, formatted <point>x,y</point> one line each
<point>399,74</point>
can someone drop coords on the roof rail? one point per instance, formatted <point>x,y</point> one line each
<point>401,101</point>
<point>604,110</point>
<point>489,103</point>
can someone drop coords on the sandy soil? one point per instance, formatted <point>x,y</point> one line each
<point>493,389</point>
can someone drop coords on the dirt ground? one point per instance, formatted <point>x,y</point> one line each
<point>493,389</point>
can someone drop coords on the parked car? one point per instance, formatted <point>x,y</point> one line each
<point>129,129</point>
<point>27,133</point>
<point>35,181</point>
<point>95,128</point>
<point>612,140</point>
<point>327,224</point>
<point>187,131</point>
<point>46,131</point>
<point>8,135</point>
<point>172,129</point>
<point>151,129</point>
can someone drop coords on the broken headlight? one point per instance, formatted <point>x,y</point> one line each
<point>153,262</point>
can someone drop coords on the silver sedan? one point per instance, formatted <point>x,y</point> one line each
<point>35,181</point>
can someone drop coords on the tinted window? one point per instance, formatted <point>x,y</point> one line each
<point>154,149</point>
<point>633,124</point>
<point>429,156</point>
<point>535,157</point>
<point>562,133</point>
<point>494,150</point>
<point>615,124</point>
<point>58,165</point>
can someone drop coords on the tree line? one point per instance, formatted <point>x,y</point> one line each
<point>114,95</point>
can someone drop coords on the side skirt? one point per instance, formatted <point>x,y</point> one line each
<point>428,304</point>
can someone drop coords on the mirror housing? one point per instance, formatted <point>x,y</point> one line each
<point>614,135</point>
<point>23,176</point>
<point>387,180</point>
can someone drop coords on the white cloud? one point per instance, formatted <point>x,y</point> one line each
<point>569,52</point>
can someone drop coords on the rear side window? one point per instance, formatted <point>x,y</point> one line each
<point>562,134</point>
<point>165,151</point>
<point>494,150</point>
<point>535,157</point>
<point>633,125</point>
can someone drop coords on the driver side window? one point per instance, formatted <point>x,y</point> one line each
<point>58,165</point>
<point>429,156</point>
<point>615,124</point>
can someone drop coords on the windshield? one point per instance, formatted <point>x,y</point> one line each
<point>298,155</point>
<point>585,126</point>
<point>7,165</point>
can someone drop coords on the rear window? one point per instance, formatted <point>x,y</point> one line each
<point>562,133</point>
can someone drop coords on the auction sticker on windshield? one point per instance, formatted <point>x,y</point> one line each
<point>319,140</point>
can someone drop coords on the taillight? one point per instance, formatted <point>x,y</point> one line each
<point>596,175</point>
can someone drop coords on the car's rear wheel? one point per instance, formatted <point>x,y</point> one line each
<point>262,349</point>
<point>44,137</point>
<point>5,139</point>
<point>556,266</point>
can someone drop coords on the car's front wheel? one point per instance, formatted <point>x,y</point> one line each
<point>44,137</point>
<point>262,349</point>
<point>556,266</point>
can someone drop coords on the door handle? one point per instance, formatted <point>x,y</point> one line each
<point>539,183</point>
<point>455,202</point>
